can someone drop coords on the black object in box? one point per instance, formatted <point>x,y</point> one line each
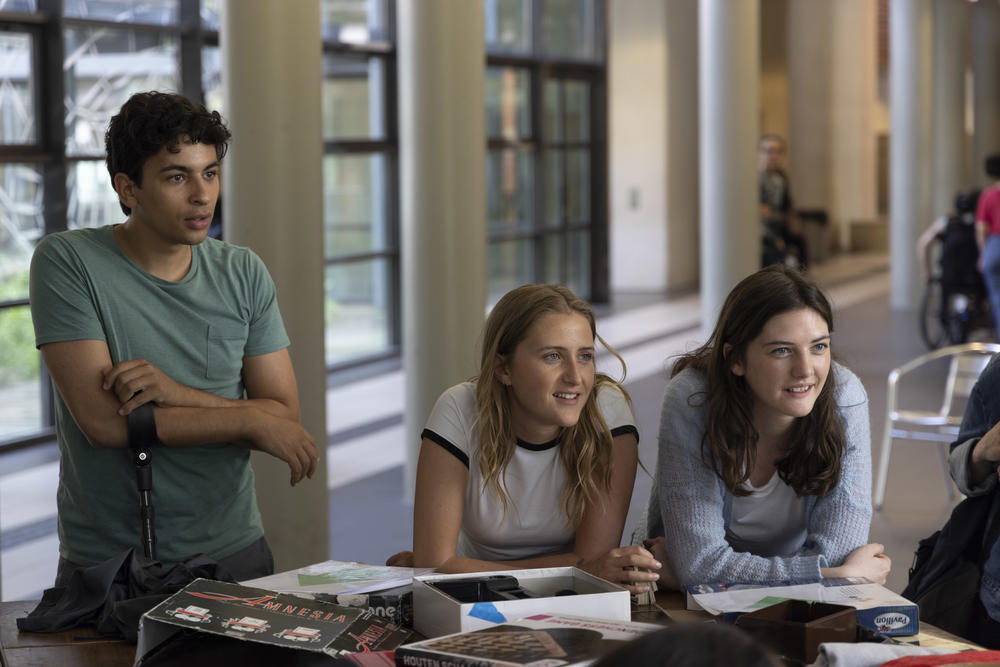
<point>393,604</point>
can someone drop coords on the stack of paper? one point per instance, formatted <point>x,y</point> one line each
<point>334,577</point>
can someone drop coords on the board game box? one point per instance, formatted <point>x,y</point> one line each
<point>540,640</point>
<point>878,608</point>
<point>260,615</point>
<point>555,590</point>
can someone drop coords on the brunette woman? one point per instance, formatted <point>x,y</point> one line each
<point>764,470</point>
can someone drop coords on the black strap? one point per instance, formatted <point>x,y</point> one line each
<point>142,427</point>
<point>141,437</point>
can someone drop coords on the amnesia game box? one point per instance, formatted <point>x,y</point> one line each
<point>258,615</point>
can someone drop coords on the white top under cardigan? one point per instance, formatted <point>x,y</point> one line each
<point>535,524</point>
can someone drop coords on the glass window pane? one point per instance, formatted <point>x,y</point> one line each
<point>354,21</point>
<point>104,67</point>
<point>578,185</point>
<point>17,89</point>
<point>552,112</point>
<point>510,190</point>
<point>554,261</point>
<point>577,110</point>
<point>569,28</point>
<point>510,264</point>
<point>554,177</point>
<point>92,200</point>
<point>210,14</point>
<point>358,295</point>
<point>353,99</point>
<point>508,25</point>
<point>18,5</point>
<point>211,78</point>
<point>20,387</point>
<point>21,226</point>
<point>578,263</point>
<point>508,99</point>
<point>355,200</point>
<point>159,12</point>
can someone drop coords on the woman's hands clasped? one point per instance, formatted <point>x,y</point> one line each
<point>632,567</point>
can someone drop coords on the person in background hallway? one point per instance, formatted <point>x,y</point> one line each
<point>764,469</point>
<point>780,229</point>
<point>531,464</point>
<point>150,316</point>
<point>988,235</point>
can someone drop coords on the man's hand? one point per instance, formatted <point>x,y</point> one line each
<point>286,440</point>
<point>136,382</point>
<point>985,458</point>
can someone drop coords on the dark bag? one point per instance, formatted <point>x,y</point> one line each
<point>112,596</point>
<point>947,571</point>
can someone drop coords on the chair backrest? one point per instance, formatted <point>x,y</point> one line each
<point>963,372</point>
<point>966,364</point>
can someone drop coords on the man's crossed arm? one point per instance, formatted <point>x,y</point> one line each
<point>100,394</point>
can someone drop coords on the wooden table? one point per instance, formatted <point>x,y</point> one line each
<point>80,646</point>
<point>83,647</point>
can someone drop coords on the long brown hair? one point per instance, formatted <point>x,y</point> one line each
<point>585,448</point>
<point>812,466</point>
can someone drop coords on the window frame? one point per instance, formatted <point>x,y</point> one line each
<point>388,147</point>
<point>542,67</point>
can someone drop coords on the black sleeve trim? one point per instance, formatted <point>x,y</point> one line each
<point>448,447</point>
<point>622,430</point>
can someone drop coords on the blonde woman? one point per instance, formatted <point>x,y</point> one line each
<point>531,464</point>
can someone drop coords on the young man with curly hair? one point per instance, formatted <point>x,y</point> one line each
<point>152,315</point>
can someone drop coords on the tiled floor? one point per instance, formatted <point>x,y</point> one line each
<point>371,520</point>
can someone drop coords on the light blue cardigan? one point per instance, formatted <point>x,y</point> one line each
<point>695,505</point>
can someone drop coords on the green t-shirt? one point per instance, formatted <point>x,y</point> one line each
<point>197,331</point>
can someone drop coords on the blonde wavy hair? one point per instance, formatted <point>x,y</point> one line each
<point>585,449</point>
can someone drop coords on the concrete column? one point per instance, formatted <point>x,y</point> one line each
<point>442,149</point>
<point>273,193</point>
<point>774,67</point>
<point>653,77</point>
<point>682,145</point>
<point>947,104</point>
<point>985,28</point>
<point>810,66</point>
<point>853,69</point>
<point>729,75</point>
<point>638,107</point>
<point>909,145</point>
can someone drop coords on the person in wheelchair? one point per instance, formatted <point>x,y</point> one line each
<point>963,303</point>
<point>988,234</point>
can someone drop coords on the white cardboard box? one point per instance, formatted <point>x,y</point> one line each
<point>435,613</point>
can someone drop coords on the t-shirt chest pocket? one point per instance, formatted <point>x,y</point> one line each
<point>224,352</point>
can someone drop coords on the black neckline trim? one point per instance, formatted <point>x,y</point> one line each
<point>538,448</point>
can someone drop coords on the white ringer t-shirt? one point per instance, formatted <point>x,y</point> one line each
<point>535,523</point>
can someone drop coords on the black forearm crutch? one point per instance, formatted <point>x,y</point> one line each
<point>141,438</point>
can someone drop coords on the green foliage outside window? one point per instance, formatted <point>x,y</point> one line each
<point>18,358</point>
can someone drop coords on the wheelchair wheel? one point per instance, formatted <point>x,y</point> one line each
<point>933,323</point>
<point>958,320</point>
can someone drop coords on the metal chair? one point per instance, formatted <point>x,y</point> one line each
<point>967,362</point>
